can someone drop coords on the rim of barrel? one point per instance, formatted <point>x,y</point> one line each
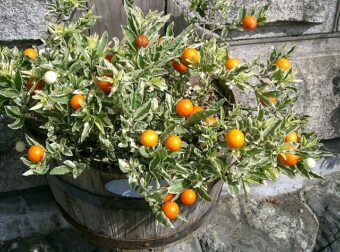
<point>115,201</point>
<point>136,244</point>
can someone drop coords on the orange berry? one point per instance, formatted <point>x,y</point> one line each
<point>249,23</point>
<point>234,138</point>
<point>196,109</point>
<point>283,64</point>
<point>190,56</point>
<point>184,108</point>
<point>173,143</point>
<point>273,100</point>
<point>105,86</point>
<point>40,85</point>
<point>231,63</point>
<point>171,210</point>
<point>149,138</point>
<point>168,197</point>
<point>291,159</point>
<point>179,67</point>
<point>142,41</point>
<point>188,197</point>
<point>292,137</point>
<point>36,153</point>
<point>210,120</point>
<point>77,101</point>
<point>109,57</point>
<point>160,40</point>
<point>31,53</point>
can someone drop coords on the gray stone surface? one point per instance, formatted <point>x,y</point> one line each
<point>63,240</point>
<point>286,224</point>
<point>24,214</point>
<point>317,63</point>
<point>21,19</point>
<point>11,167</point>
<point>324,200</point>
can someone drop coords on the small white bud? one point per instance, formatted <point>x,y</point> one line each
<point>50,77</point>
<point>310,163</point>
<point>20,146</point>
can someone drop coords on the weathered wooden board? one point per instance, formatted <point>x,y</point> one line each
<point>113,15</point>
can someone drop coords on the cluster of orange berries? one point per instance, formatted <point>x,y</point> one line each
<point>189,56</point>
<point>171,209</point>
<point>290,159</point>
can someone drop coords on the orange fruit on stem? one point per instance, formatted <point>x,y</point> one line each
<point>292,137</point>
<point>291,159</point>
<point>40,85</point>
<point>249,23</point>
<point>196,109</point>
<point>77,101</point>
<point>173,143</point>
<point>210,120</point>
<point>142,41</point>
<point>184,108</point>
<point>179,67</point>
<point>234,138</point>
<point>31,53</point>
<point>109,57</point>
<point>168,197</point>
<point>273,100</point>
<point>188,197</point>
<point>231,63</point>
<point>149,138</point>
<point>190,56</point>
<point>283,64</point>
<point>171,210</point>
<point>160,40</point>
<point>36,153</point>
<point>105,86</point>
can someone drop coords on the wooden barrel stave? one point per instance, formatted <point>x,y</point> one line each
<point>123,225</point>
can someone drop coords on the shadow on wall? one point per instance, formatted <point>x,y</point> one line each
<point>335,115</point>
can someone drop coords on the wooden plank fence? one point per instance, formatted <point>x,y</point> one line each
<point>113,15</point>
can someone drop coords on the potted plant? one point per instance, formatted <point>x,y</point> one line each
<point>159,108</point>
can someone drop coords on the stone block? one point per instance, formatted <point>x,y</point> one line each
<point>317,64</point>
<point>21,19</point>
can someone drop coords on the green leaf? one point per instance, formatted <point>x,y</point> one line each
<point>9,93</point>
<point>178,186</point>
<point>124,166</point>
<point>13,111</point>
<point>17,124</point>
<point>233,188</point>
<point>60,170</point>
<point>86,130</point>
<point>142,112</point>
<point>102,43</point>
<point>203,194</point>
<point>160,216</point>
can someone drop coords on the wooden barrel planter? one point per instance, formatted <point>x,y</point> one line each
<point>117,221</point>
